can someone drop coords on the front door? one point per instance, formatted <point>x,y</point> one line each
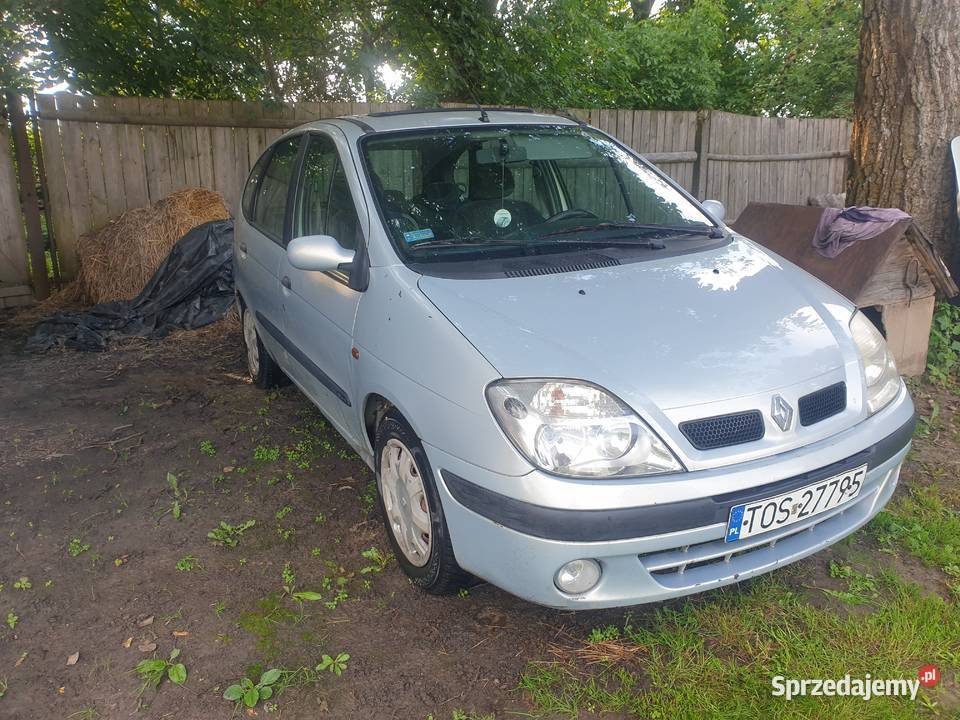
<point>320,307</point>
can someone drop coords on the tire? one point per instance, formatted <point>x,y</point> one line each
<point>435,571</point>
<point>263,369</point>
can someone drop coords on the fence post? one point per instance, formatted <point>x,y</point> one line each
<point>28,197</point>
<point>700,145</point>
<point>13,249</point>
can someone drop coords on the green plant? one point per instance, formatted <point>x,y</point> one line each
<point>943,354</point>
<point>87,713</point>
<point>264,454</point>
<point>604,634</point>
<point>188,563</point>
<point>180,497</point>
<point>12,620</point>
<point>861,587</point>
<point>3,687</point>
<point>77,547</point>
<point>208,448</point>
<point>228,534</point>
<point>22,584</point>
<point>378,560</point>
<point>283,512</point>
<point>250,694</point>
<point>336,665</point>
<point>153,671</point>
<point>219,607</point>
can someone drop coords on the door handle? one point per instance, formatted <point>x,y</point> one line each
<point>285,281</point>
<point>243,247</point>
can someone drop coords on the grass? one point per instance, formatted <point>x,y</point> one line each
<point>684,662</point>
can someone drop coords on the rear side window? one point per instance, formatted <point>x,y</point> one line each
<point>270,206</point>
<point>253,182</point>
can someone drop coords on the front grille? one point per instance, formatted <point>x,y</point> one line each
<point>724,430</point>
<point>823,403</point>
<point>715,560</point>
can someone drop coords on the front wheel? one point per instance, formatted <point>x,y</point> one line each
<point>412,512</point>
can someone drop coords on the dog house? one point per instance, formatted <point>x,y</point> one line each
<point>893,277</point>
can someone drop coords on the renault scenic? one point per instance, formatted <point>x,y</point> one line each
<point>570,378</point>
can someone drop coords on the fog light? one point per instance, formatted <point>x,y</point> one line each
<point>578,576</point>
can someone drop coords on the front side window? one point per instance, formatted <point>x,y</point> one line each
<point>324,202</point>
<point>270,205</point>
<point>449,194</point>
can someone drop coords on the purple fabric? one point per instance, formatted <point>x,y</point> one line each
<point>839,229</point>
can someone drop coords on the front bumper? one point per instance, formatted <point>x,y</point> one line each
<point>663,549</point>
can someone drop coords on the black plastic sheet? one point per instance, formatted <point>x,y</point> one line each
<point>193,287</point>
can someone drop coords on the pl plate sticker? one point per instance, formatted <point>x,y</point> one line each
<point>414,235</point>
<point>502,217</point>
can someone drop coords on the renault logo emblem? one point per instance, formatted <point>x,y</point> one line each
<point>781,412</point>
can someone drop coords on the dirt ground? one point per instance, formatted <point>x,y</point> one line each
<point>87,517</point>
<point>88,440</point>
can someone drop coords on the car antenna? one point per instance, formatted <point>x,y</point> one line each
<point>484,118</point>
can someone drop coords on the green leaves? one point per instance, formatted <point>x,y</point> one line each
<point>177,673</point>
<point>153,670</point>
<point>336,665</point>
<point>248,693</point>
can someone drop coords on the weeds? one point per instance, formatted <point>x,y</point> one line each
<point>219,607</point>
<point>188,563</point>
<point>250,694</point>
<point>229,535</point>
<point>12,620</point>
<point>378,561</point>
<point>208,448</point>
<point>23,583</point>
<point>264,454</point>
<point>943,355</point>
<point>153,671</point>
<point>861,587</point>
<point>180,497</point>
<point>337,665</point>
<point>77,547</point>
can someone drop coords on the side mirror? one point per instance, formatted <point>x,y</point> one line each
<point>715,208</point>
<point>320,253</point>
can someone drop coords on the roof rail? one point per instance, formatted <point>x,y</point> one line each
<point>465,108</point>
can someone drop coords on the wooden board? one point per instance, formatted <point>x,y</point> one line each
<point>13,244</point>
<point>907,327</point>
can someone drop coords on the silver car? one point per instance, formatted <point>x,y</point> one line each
<point>570,378</point>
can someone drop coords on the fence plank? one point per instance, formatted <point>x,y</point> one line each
<point>78,194</point>
<point>93,166</point>
<point>13,246</point>
<point>58,199</point>
<point>134,161</point>
<point>112,161</point>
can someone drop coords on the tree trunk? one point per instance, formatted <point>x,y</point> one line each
<point>907,110</point>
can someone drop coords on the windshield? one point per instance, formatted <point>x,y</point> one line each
<point>455,193</point>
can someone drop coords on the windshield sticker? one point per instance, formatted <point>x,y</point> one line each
<point>502,217</point>
<point>415,235</point>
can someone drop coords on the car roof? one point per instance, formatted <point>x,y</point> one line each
<point>437,118</point>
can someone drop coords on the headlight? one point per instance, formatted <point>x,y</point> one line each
<point>880,372</point>
<point>577,429</point>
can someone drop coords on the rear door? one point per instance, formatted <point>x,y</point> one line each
<point>320,307</point>
<point>259,245</point>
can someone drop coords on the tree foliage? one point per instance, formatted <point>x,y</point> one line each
<point>755,56</point>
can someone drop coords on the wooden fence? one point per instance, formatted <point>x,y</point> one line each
<point>104,155</point>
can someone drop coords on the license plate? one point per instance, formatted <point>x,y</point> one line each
<point>763,516</point>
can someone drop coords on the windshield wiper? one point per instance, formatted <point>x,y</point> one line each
<point>639,228</point>
<point>461,242</point>
<point>630,241</point>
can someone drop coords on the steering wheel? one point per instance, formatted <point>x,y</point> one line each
<point>568,214</point>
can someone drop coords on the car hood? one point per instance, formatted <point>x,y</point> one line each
<point>672,332</point>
